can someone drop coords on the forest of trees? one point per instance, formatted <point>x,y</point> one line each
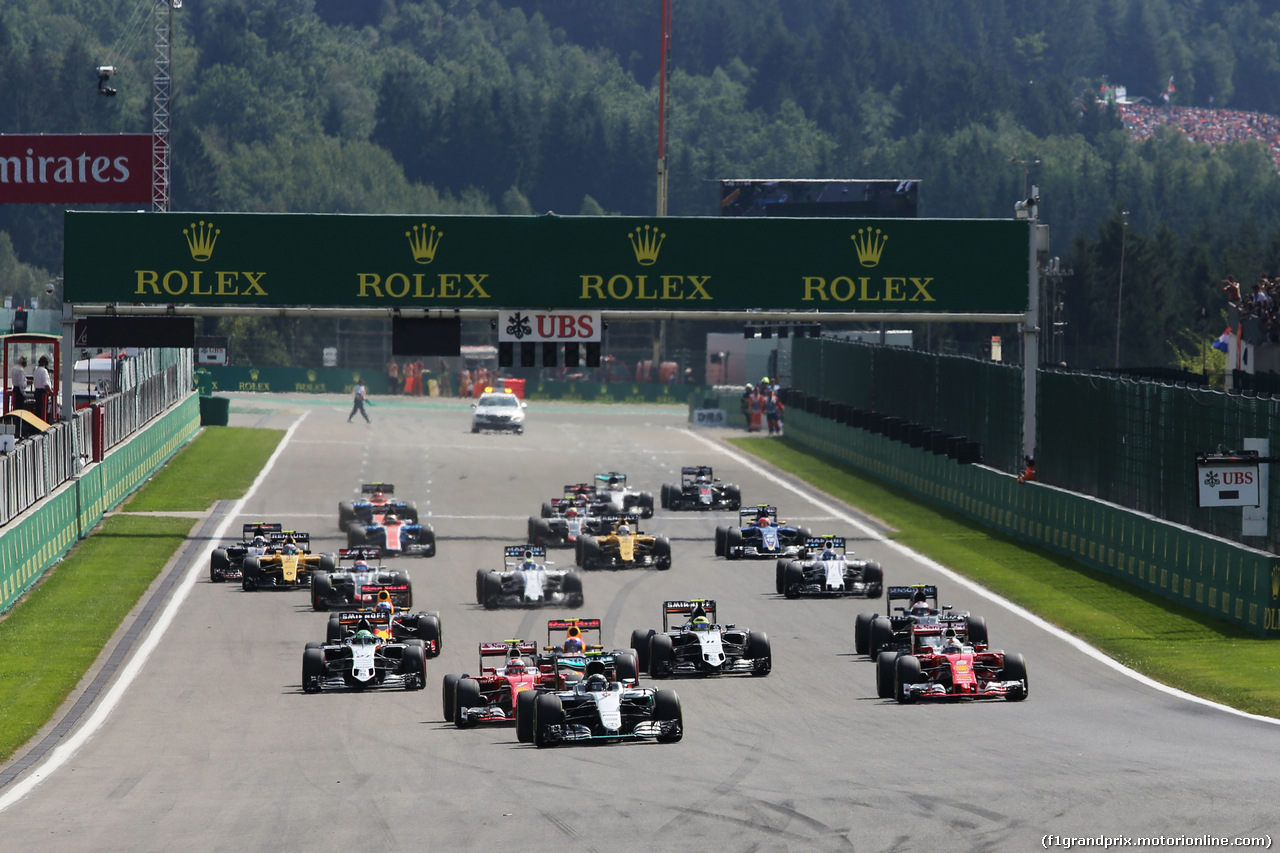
<point>522,106</point>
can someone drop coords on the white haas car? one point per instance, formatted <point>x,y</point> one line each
<point>528,581</point>
<point>700,646</point>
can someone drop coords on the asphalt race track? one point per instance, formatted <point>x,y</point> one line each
<point>215,747</point>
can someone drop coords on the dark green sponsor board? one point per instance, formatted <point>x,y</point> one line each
<point>620,263</point>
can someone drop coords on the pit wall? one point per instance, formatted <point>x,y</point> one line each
<point>30,545</point>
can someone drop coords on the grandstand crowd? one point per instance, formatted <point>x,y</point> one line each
<point>1210,126</point>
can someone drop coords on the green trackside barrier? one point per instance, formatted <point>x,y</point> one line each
<point>1208,574</point>
<point>215,411</point>
<point>611,392</point>
<point>30,546</point>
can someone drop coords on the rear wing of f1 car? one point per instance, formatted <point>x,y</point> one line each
<point>506,649</point>
<point>819,543</point>
<point>519,552</point>
<point>695,471</point>
<point>259,528</point>
<point>281,537</point>
<point>689,607</point>
<point>372,620</point>
<point>908,593</point>
<point>615,520</point>
<point>368,553</point>
<point>562,626</point>
<point>371,488</point>
<point>751,513</point>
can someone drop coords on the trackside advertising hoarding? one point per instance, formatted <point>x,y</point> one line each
<point>75,169</point>
<point>569,262</point>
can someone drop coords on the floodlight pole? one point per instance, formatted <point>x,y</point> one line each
<point>162,85</point>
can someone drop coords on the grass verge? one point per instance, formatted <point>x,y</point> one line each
<point>1170,643</point>
<point>82,602</point>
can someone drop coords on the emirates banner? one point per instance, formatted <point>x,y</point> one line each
<point>75,168</point>
<point>570,264</point>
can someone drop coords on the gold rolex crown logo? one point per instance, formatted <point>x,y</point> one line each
<point>253,374</point>
<point>424,241</point>
<point>201,238</point>
<point>869,245</point>
<point>646,243</point>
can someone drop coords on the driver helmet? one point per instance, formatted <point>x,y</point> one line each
<point>828,554</point>
<point>363,637</point>
<point>920,608</point>
<point>571,512</point>
<point>596,683</point>
<point>623,529</point>
<point>701,623</point>
<point>952,646</point>
<point>573,642</point>
<point>259,541</point>
<point>290,548</point>
<point>383,606</point>
<point>391,519</point>
<point>762,521</point>
<point>379,497</point>
<point>703,478</point>
<point>528,565</point>
<point>515,666</point>
<point>360,566</point>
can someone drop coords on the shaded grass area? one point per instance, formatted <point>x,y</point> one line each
<point>222,462</point>
<point>1157,637</point>
<point>51,638</point>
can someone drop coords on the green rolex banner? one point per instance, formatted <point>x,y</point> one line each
<point>609,263</point>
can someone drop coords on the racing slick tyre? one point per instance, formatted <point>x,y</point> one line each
<point>760,653</point>
<point>732,542</point>
<point>665,496</point>
<point>548,711</point>
<point>793,580</point>
<point>480,573</point>
<point>803,534</point>
<point>722,534</point>
<point>314,644</point>
<point>906,670</point>
<point>666,708</point>
<point>627,666</point>
<point>333,630</point>
<point>590,553</point>
<point>250,573</point>
<point>346,514</point>
<point>640,643</point>
<point>409,512</point>
<point>645,505</point>
<point>401,578</point>
<point>885,670</point>
<point>547,509</point>
<point>539,531</point>
<point>780,573</point>
<point>356,535</point>
<point>661,656</point>
<point>413,666</point>
<point>219,562</point>
<point>1015,669</point>
<point>733,497</point>
<point>881,635</point>
<point>873,577</point>
<point>427,538</point>
<point>977,631</point>
<point>321,590</point>
<point>465,695</point>
<point>312,670</point>
<point>429,632</point>
<point>862,633</point>
<point>448,690</point>
<point>662,553</point>
<point>328,563</point>
<point>572,588</point>
<point>524,715</point>
<point>492,590</point>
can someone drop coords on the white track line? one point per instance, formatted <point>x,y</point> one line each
<point>1069,639</point>
<point>68,747</point>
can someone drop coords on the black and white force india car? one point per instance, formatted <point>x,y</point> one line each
<point>528,581</point>
<point>596,710</point>
<point>699,645</point>
<point>228,563</point>
<point>699,489</point>
<point>365,660</point>
<point>828,571</point>
<point>361,583</point>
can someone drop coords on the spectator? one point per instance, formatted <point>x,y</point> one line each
<point>358,395</point>
<point>393,376</point>
<point>18,382</point>
<point>42,387</point>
